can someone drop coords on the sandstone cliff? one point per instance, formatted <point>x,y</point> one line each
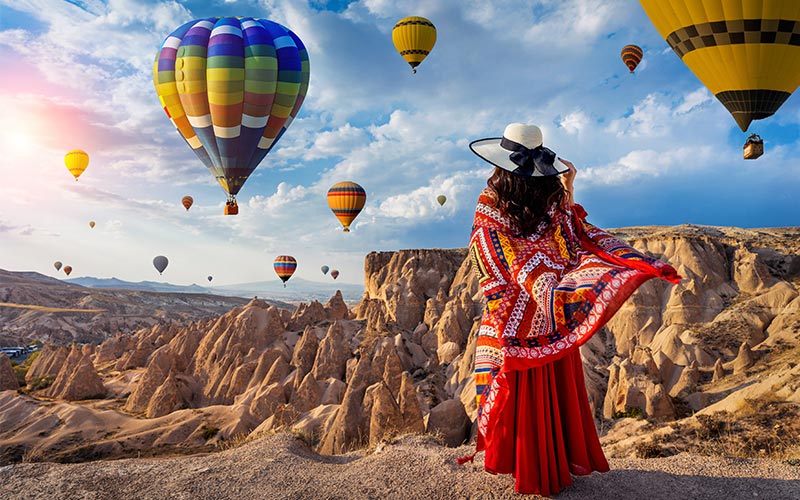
<point>401,361</point>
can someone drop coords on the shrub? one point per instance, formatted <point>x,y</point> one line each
<point>632,412</point>
<point>208,431</point>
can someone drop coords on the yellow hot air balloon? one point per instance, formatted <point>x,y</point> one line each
<point>414,38</point>
<point>346,200</point>
<point>76,161</point>
<point>747,52</point>
<point>91,224</point>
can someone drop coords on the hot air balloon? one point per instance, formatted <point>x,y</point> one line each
<point>441,199</point>
<point>67,270</point>
<point>284,266</point>
<point>187,202</point>
<point>57,265</point>
<point>76,161</point>
<point>231,86</point>
<point>631,56</point>
<point>160,263</point>
<point>91,224</point>
<point>324,269</point>
<point>414,38</point>
<point>346,199</point>
<point>210,278</point>
<point>334,274</point>
<point>745,51</point>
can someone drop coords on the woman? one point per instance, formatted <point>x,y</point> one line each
<point>551,280</point>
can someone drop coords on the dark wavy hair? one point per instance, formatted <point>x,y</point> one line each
<point>526,200</point>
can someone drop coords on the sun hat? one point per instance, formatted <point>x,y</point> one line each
<point>520,151</point>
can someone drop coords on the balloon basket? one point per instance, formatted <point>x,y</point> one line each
<point>753,148</point>
<point>231,208</point>
<point>346,230</point>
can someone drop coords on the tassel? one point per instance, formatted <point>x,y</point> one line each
<point>468,458</point>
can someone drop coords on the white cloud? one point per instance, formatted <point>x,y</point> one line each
<point>575,122</point>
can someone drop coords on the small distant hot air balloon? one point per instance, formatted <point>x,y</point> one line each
<point>57,265</point>
<point>210,278</point>
<point>631,56</point>
<point>76,161</point>
<point>284,266</point>
<point>346,199</point>
<point>231,86</point>
<point>414,38</point>
<point>324,269</point>
<point>334,274</point>
<point>441,199</point>
<point>67,270</point>
<point>91,224</point>
<point>187,202</point>
<point>160,263</point>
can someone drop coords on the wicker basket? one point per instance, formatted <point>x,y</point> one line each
<point>753,148</point>
<point>231,208</point>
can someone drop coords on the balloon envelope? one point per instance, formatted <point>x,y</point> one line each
<point>284,266</point>
<point>346,199</point>
<point>334,274</point>
<point>187,202</point>
<point>76,161</point>
<point>744,51</point>
<point>210,278</point>
<point>325,269</point>
<point>441,199</point>
<point>67,270</point>
<point>57,265</point>
<point>631,56</point>
<point>91,224</point>
<point>231,86</point>
<point>160,263</point>
<point>414,38</point>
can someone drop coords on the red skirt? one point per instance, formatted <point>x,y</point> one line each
<point>543,429</point>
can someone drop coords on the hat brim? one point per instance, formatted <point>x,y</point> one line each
<point>490,150</point>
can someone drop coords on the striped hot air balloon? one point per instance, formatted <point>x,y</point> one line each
<point>187,202</point>
<point>414,38</point>
<point>231,86</point>
<point>346,199</point>
<point>747,52</point>
<point>76,161</point>
<point>631,56</point>
<point>284,266</point>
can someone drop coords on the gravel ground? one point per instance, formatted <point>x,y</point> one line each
<point>282,467</point>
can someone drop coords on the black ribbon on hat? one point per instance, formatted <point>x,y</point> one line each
<point>539,159</point>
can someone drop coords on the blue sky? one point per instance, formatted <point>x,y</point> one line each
<point>654,148</point>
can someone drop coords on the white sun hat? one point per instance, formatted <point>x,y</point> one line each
<point>520,151</point>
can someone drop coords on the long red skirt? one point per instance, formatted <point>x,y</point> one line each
<point>544,430</point>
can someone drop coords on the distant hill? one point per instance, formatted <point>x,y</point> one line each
<point>37,307</point>
<point>296,290</point>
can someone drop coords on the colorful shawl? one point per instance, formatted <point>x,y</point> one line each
<point>546,294</point>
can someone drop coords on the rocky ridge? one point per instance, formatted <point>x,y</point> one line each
<point>401,361</point>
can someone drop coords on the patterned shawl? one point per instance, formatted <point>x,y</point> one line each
<point>548,293</point>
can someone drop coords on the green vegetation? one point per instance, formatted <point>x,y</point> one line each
<point>632,412</point>
<point>208,431</point>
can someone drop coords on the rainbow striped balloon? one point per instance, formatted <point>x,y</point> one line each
<point>231,86</point>
<point>346,199</point>
<point>284,267</point>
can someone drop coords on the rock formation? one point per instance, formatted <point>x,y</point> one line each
<point>8,379</point>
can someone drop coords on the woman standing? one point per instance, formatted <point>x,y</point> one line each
<point>551,280</point>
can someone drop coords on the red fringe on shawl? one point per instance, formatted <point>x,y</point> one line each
<point>544,429</point>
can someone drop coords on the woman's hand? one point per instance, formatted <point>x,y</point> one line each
<point>567,179</point>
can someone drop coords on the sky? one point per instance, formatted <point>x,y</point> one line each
<point>653,148</point>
